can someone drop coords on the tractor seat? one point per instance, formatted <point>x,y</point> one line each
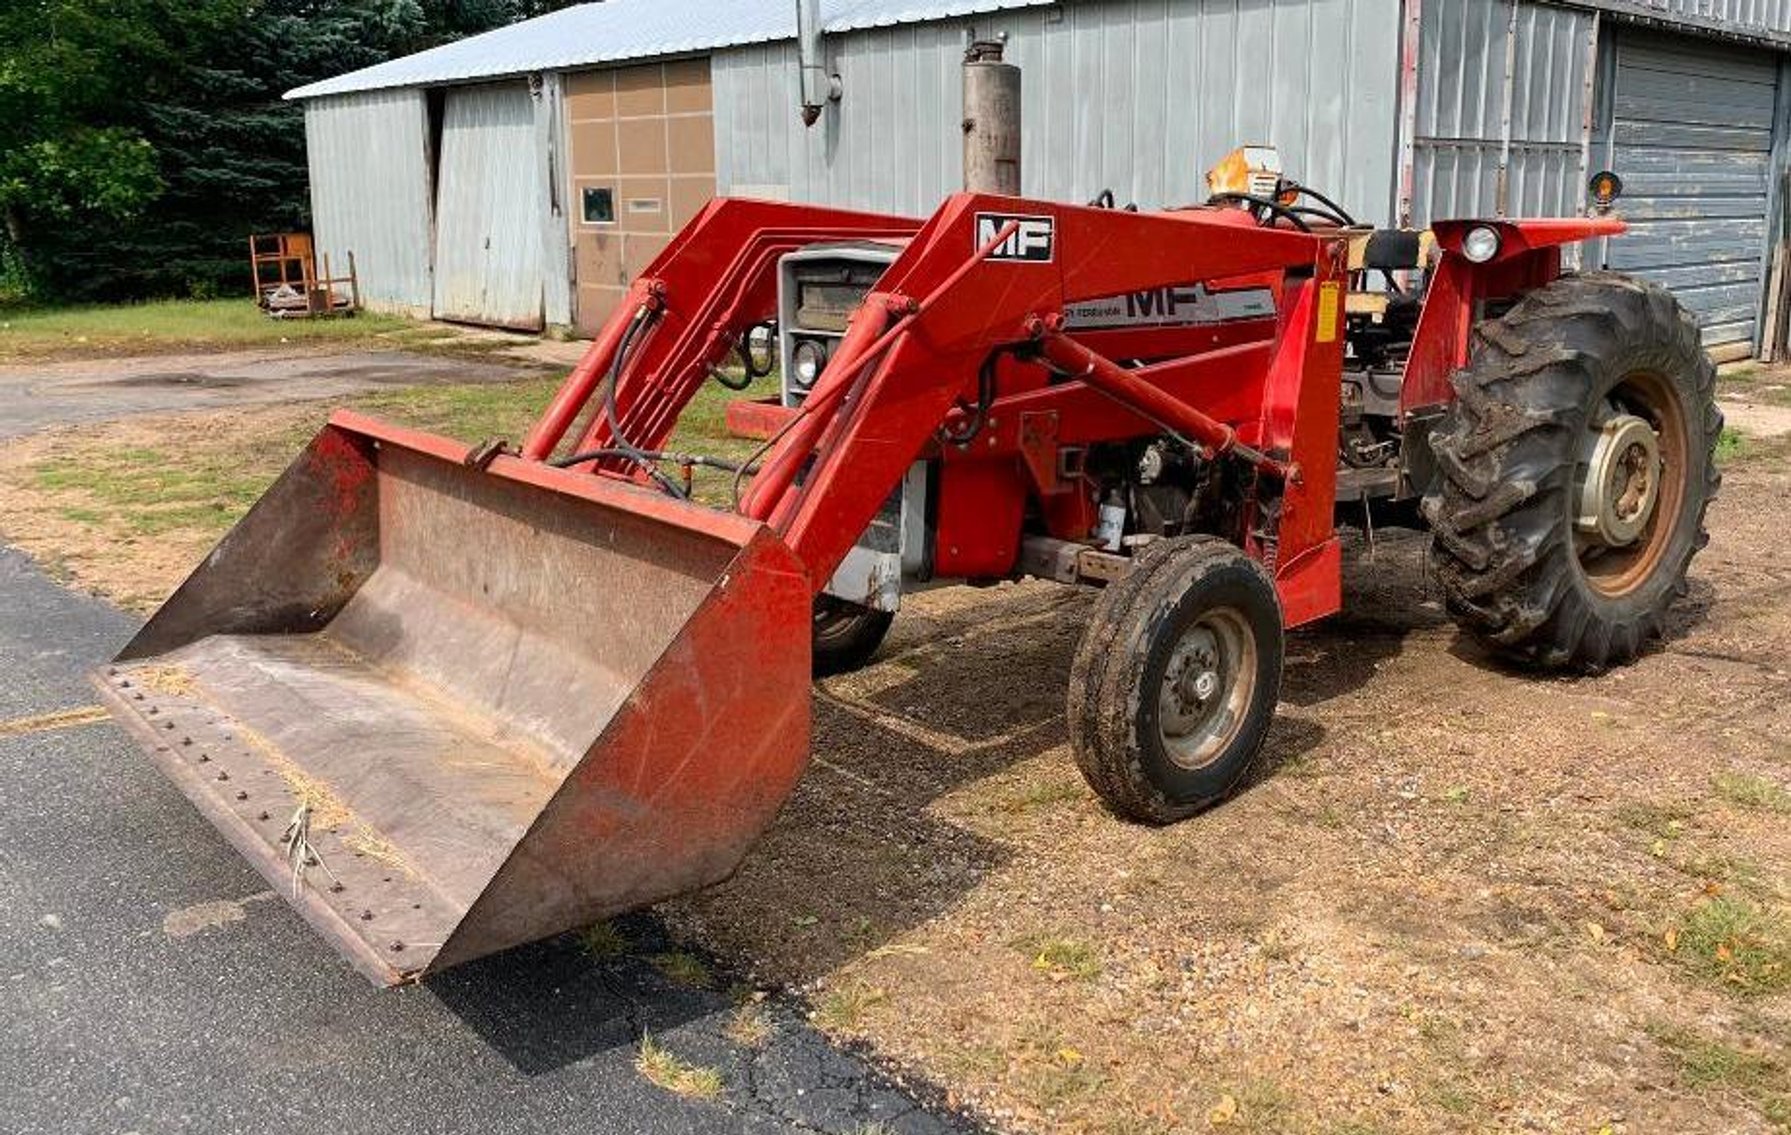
<point>1394,250</point>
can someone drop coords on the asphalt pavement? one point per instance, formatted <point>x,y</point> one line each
<point>151,982</point>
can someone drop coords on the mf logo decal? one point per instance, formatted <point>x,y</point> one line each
<point>1033,241</point>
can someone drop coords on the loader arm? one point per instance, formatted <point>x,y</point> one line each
<point>957,292</point>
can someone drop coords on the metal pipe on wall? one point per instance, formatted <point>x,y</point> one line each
<point>818,87</point>
<point>991,120</point>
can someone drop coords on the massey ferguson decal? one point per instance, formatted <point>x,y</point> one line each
<point>1175,305</point>
<point>1033,241</point>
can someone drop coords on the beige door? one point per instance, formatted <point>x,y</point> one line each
<point>643,164</point>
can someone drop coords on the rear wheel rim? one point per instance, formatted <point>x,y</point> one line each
<point>1641,476</point>
<point>1208,685</point>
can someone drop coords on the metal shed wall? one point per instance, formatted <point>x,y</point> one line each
<point>1503,105</point>
<point>370,194</point>
<point>1140,96</point>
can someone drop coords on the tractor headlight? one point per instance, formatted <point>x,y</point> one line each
<point>1480,244</point>
<point>806,360</point>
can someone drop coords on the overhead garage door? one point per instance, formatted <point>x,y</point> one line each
<point>1691,136</point>
<point>489,206</point>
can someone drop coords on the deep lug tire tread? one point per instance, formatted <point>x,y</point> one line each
<point>1500,517</point>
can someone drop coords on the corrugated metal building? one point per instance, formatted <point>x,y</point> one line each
<point>523,176</point>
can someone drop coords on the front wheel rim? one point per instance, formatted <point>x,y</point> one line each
<point>1208,685</point>
<point>1630,483</point>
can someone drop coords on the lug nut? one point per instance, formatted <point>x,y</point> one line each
<point>397,946</point>
<point>222,775</point>
<point>366,916</point>
<point>242,795</point>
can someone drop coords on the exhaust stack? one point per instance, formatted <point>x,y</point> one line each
<point>991,120</point>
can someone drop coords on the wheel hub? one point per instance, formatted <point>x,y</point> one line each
<point>1623,477</point>
<point>1206,688</point>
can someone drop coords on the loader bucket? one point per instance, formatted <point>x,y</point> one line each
<point>448,710</point>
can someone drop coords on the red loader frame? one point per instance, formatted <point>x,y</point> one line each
<point>986,280</point>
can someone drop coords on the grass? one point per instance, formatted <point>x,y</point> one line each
<point>750,1026</point>
<point>667,1070</point>
<point>199,484</point>
<point>173,325</point>
<point>842,1008</point>
<point>1709,1066</point>
<point>1756,792</point>
<point>1737,943</point>
<point>1730,444</point>
<point>1061,957</point>
<point>684,969</point>
<point>603,941</point>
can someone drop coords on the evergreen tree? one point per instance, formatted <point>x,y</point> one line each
<point>144,140</point>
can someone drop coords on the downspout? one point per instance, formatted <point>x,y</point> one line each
<point>818,87</point>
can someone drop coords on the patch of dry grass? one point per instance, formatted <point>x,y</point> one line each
<point>665,1069</point>
<point>1750,791</point>
<point>842,1009</point>
<point>750,1025</point>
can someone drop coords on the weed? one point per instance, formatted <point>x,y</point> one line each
<point>750,1026</point>
<point>662,1067</point>
<point>602,940</point>
<point>1730,444</point>
<point>1752,792</point>
<point>1665,819</point>
<point>1061,956</point>
<point>1707,1065</point>
<point>1734,941</point>
<point>684,969</point>
<point>841,1009</point>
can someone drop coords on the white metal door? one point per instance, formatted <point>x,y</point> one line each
<point>489,206</point>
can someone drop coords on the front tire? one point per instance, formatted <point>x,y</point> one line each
<point>1575,469</point>
<point>846,635</point>
<point>1176,679</point>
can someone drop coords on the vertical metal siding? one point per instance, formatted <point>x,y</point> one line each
<point>489,259</point>
<point>1140,96</point>
<point>369,164</point>
<point>1691,135</point>
<point>1461,116</point>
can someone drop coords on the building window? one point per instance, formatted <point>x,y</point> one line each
<point>599,206</point>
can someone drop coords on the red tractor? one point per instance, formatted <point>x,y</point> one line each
<point>462,699</point>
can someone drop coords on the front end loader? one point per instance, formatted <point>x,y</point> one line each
<point>455,698</point>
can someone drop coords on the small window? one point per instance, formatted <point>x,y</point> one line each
<point>599,205</point>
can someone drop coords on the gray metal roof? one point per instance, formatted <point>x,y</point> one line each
<point>618,30</point>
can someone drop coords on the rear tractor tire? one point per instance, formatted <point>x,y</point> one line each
<point>1574,472</point>
<point>846,635</point>
<point>1176,678</point>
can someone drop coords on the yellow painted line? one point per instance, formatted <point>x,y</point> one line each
<point>61,719</point>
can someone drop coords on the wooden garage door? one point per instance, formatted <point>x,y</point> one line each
<point>1691,136</point>
<point>490,199</point>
